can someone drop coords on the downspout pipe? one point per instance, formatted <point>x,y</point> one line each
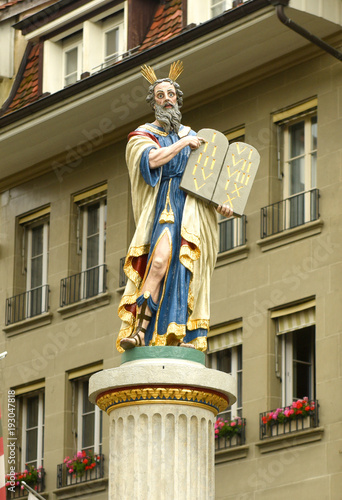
<point>279,5</point>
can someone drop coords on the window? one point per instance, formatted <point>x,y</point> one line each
<point>89,420</point>
<point>232,231</point>
<point>94,247</point>
<point>32,445</point>
<point>298,351</point>
<point>88,247</point>
<point>72,59</point>
<point>300,159</point>
<point>295,328</point>
<point>37,264</point>
<point>31,268</point>
<point>217,7</point>
<point>113,43</point>
<point>225,354</point>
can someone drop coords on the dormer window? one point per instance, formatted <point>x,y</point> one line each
<point>219,6</point>
<point>199,11</point>
<point>112,39</point>
<point>82,47</point>
<point>72,59</point>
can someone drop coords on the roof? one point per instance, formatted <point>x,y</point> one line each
<point>165,33</point>
<point>168,22</point>
<point>26,87</point>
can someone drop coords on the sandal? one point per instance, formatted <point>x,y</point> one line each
<point>135,340</point>
<point>130,342</point>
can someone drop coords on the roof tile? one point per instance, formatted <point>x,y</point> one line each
<point>167,23</point>
<point>27,91</point>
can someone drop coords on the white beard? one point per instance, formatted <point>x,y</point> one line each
<point>169,118</point>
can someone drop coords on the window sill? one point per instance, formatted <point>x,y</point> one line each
<point>232,255</point>
<point>230,454</point>
<point>87,488</point>
<point>291,439</point>
<point>85,305</point>
<point>28,324</point>
<point>290,235</point>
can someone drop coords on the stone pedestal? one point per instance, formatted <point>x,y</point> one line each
<point>162,403</point>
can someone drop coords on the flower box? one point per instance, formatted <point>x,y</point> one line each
<point>301,415</point>
<point>33,477</point>
<point>229,433</point>
<point>81,468</point>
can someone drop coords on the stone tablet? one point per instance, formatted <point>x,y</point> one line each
<point>220,173</point>
<point>205,164</point>
<point>236,178</point>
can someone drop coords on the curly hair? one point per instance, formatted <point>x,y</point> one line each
<point>150,95</point>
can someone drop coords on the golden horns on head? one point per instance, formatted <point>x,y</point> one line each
<point>176,69</point>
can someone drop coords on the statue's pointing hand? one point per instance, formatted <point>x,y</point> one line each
<point>195,141</point>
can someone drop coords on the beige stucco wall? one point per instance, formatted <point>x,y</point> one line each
<point>248,288</point>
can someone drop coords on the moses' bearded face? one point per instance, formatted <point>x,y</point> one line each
<point>165,97</point>
<point>166,106</point>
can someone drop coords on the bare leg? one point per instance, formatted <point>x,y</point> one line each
<point>159,265</point>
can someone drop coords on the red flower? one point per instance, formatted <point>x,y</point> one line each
<point>85,461</point>
<point>307,408</point>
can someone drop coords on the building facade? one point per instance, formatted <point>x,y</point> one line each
<point>71,91</point>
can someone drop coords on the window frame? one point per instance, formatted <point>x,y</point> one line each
<point>98,419</point>
<point>235,224</point>
<point>309,169</point>
<point>75,41</point>
<point>28,236</point>
<point>288,368</point>
<point>235,409</point>
<point>112,23</point>
<point>102,222</point>
<point>40,425</point>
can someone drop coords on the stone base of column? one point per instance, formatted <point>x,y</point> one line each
<point>162,403</point>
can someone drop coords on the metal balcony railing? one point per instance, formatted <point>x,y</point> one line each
<point>281,421</point>
<point>290,213</point>
<point>65,478</point>
<point>84,285</point>
<point>38,486</point>
<point>27,304</point>
<point>232,233</point>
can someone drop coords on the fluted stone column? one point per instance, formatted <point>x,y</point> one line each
<point>162,403</point>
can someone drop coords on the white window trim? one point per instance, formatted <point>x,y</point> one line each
<point>307,155</point>
<point>234,409</point>
<point>68,45</point>
<point>287,368</point>
<point>109,25</point>
<point>40,458</point>
<point>102,220</point>
<point>44,263</point>
<point>200,11</point>
<point>97,419</point>
<point>233,136</point>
